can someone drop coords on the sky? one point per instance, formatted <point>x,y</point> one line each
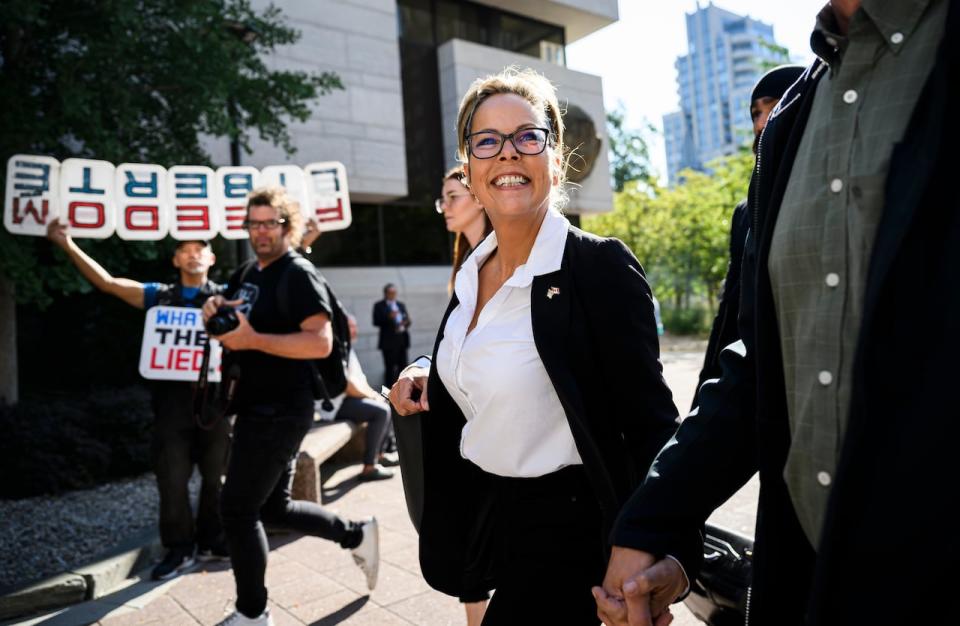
<point>635,55</point>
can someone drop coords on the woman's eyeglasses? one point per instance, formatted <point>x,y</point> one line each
<point>487,144</point>
<point>440,202</point>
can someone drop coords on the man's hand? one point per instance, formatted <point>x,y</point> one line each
<point>243,337</point>
<point>213,304</point>
<point>638,589</point>
<point>57,233</point>
<point>402,392</point>
<point>310,233</point>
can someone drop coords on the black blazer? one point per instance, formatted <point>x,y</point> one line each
<point>889,547</point>
<point>724,330</point>
<point>598,341</point>
<point>389,338</point>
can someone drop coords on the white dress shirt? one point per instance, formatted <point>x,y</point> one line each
<point>516,425</point>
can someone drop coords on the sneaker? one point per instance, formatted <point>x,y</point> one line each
<point>216,552</point>
<point>378,472</point>
<point>239,619</point>
<point>390,459</point>
<point>367,554</point>
<point>177,561</point>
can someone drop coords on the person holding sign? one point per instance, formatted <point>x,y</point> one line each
<point>178,442</point>
<point>280,312</point>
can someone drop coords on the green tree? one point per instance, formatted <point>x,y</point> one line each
<point>629,152</point>
<point>681,234</point>
<point>780,55</point>
<point>141,82</point>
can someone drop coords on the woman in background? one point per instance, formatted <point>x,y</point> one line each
<point>464,216</point>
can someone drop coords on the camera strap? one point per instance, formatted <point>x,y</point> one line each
<point>202,390</point>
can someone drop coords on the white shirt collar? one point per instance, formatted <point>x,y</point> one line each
<point>546,256</point>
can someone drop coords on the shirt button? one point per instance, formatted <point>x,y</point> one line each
<point>832,279</point>
<point>824,478</point>
<point>896,38</point>
<point>849,96</point>
<point>836,185</point>
<point>825,378</point>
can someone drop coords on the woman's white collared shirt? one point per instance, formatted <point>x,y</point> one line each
<point>516,425</point>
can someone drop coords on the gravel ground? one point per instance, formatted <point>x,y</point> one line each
<point>48,535</point>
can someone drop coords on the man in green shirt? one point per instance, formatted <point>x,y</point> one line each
<point>845,411</point>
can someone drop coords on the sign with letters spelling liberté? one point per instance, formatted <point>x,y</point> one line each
<point>141,201</point>
<point>172,348</point>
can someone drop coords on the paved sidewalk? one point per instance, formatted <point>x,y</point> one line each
<point>312,581</point>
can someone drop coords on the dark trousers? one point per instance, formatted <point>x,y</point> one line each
<point>545,537</point>
<point>178,443</point>
<point>257,490</point>
<point>394,360</point>
<point>377,417</point>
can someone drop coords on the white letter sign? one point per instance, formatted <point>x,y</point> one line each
<point>31,199</point>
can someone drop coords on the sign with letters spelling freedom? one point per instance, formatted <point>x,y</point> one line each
<point>172,348</point>
<point>142,201</point>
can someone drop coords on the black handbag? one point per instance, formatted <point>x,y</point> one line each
<point>410,452</point>
<point>720,595</point>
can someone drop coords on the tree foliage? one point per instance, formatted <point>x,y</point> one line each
<point>681,234</point>
<point>629,152</point>
<point>138,81</point>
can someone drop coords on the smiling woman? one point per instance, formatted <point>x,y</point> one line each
<point>531,445</point>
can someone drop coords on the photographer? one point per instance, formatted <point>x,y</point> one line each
<point>280,313</point>
<point>178,442</point>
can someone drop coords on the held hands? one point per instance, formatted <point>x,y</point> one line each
<point>403,392</point>
<point>638,589</point>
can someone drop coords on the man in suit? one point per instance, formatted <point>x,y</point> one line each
<point>390,316</point>
<point>833,395</point>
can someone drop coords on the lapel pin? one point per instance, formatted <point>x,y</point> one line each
<point>552,291</point>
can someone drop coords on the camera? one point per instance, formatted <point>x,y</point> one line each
<point>223,321</point>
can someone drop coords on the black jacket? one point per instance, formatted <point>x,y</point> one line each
<point>889,548</point>
<point>724,330</point>
<point>390,338</point>
<point>597,339</point>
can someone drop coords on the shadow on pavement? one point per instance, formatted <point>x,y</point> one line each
<point>342,614</point>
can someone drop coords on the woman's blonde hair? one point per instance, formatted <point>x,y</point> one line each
<point>542,96</point>
<point>287,209</point>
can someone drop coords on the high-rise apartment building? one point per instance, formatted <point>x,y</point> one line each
<point>726,55</point>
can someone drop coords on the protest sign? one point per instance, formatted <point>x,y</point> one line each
<point>143,201</point>
<point>172,347</point>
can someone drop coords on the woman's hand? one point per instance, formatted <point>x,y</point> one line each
<point>409,394</point>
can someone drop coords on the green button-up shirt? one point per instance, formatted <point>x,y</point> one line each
<point>826,225</point>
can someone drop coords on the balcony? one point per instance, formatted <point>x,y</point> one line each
<point>578,17</point>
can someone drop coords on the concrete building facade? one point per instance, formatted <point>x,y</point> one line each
<point>405,64</point>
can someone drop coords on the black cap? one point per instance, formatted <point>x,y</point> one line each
<point>774,83</point>
<point>204,242</point>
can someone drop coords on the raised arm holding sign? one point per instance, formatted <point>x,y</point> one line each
<point>172,343</point>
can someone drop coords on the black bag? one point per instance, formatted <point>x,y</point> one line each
<point>720,595</point>
<point>330,379</point>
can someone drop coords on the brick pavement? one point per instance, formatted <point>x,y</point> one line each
<point>312,581</point>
